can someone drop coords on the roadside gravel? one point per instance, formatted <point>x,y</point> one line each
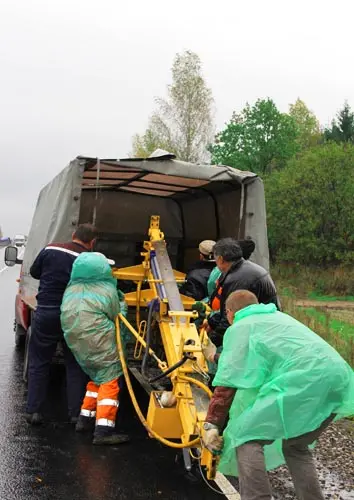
<point>335,464</point>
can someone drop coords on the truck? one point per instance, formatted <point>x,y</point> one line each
<point>127,200</point>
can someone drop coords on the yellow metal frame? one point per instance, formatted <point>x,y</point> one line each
<point>179,336</point>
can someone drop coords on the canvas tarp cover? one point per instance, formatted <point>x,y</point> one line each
<point>55,218</point>
<point>64,202</point>
<point>241,212</point>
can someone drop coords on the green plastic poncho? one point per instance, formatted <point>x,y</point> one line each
<point>214,276</point>
<point>90,304</point>
<point>288,381</point>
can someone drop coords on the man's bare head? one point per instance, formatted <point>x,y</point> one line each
<point>238,300</point>
<point>85,235</point>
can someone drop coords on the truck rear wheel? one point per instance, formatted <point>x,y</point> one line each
<point>20,335</point>
<point>25,358</point>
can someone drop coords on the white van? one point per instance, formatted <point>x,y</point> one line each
<point>19,240</point>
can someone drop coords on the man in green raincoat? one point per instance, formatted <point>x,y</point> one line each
<point>281,385</point>
<point>89,308</point>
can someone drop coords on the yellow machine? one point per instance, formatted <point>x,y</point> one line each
<point>174,417</point>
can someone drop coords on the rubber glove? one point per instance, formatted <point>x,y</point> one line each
<point>209,351</point>
<point>199,306</point>
<point>213,441</point>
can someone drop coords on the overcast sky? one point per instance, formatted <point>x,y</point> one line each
<point>80,76</point>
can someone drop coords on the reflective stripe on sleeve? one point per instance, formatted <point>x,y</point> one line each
<point>107,402</point>
<point>91,394</point>
<point>105,422</point>
<point>64,250</point>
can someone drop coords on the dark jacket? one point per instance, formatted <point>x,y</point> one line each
<point>52,267</point>
<point>219,407</point>
<point>197,280</point>
<point>243,275</point>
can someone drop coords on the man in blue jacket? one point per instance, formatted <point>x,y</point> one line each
<point>52,268</point>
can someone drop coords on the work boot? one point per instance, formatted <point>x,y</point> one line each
<point>85,424</point>
<point>34,418</point>
<point>110,439</point>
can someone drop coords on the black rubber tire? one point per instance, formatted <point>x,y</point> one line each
<point>20,336</point>
<point>25,358</point>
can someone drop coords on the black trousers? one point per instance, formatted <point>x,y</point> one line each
<point>46,332</point>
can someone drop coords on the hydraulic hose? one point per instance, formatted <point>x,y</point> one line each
<point>161,364</point>
<point>169,370</point>
<point>142,419</point>
<point>198,383</point>
<point>148,339</point>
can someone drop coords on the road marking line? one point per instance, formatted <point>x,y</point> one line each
<point>3,269</point>
<point>226,487</point>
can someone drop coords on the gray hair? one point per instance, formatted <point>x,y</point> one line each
<point>229,249</point>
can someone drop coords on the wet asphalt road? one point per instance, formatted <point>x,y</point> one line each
<point>53,462</point>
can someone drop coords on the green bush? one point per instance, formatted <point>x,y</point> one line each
<point>310,207</point>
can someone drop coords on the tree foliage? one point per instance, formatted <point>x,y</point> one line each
<point>342,128</point>
<point>309,132</point>
<point>259,139</point>
<point>183,122</point>
<point>144,145</point>
<point>310,207</point>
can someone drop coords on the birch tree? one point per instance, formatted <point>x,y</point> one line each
<point>183,121</point>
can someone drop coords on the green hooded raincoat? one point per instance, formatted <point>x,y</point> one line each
<point>90,304</point>
<point>288,381</point>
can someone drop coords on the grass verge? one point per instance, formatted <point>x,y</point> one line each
<point>328,324</point>
<point>312,282</point>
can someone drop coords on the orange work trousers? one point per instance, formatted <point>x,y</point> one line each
<point>101,402</point>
